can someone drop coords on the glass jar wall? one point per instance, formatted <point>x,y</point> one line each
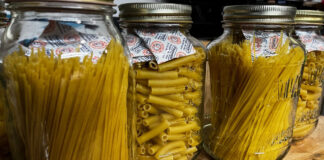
<point>169,70</point>
<point>65,78</point>
<point>307,30</point>
<point>3,135</point>
<point>255,70</point>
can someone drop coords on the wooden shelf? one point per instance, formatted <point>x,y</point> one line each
<point>311,148</point>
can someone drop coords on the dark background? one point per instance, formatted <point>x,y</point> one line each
<point>207,14</point>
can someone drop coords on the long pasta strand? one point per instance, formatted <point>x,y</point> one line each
<point>252,101</point>
<point>67,110</point>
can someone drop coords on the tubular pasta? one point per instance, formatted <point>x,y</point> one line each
<point>168,90</point>
<point>168,147</point>
<point>142,89</point>
<point>182,129</point>
<point>177,63</point>
<point>168,82</point>
<point>142,74</point>
<point>173,111</point>
<point>165,102</point>
<point>154,132</point>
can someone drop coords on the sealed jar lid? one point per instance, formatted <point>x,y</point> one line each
<point>60,4</point>
<point>155,12</point>
<point>309,17</point>
<point>261,14</point>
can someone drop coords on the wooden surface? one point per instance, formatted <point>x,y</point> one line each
<point>311,148</point>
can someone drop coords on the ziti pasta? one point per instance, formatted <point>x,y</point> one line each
<point>169,70</point>
<point>172,127</point>
<point>307,29</point>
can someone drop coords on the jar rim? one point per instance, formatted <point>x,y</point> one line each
<point>155,13</point>
<point>58,4</point>
<point>261,14</point>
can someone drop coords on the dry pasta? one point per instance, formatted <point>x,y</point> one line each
<point>252,101</point>
<point>174,90</point>
<point>64,109</point>
<point>310,95</point>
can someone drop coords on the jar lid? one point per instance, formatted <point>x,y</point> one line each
<point>260,14</point>
<point>61,4</point>
<point>155,13</point>
<point>309,17</point>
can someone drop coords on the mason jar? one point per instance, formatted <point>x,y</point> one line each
<point>65,81</point>
<point>307,30</point>
<point>169,70</point>
<point>3,135</point>
<point>255,69</point>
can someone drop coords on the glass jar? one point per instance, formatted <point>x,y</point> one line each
<point>169,70</point>
<point>255,69</point>
<point>65,78</point>
<point>3,135</point>
<point>307,30</point>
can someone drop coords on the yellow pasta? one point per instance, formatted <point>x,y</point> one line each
<point>141,98</point>
<point>310,95</point>
<point>252,100</point>
<point>177,150</point>
<point>314,96</point>
<point>154,132</point>
<point>176,97</point>
<point>182,158</point>
<point>141,149</point>
<point>181,129</point>
<point>151,120</point>
<point>152,150</point>
<point>167,116</point>
<point>172,93</point>
<point>168,82</point>
<point>153,65</point>
<point>143,114</point>
<point>191,150</point>
<point>177,63</point>
<point>150,109</point>
<point>168,147</point>
<point>190,74</point>
<point>176,137</point>
<point>64,109</point>
<point>165,102</point>
<point>167,158</point>
<point>173,111</point>
<point>179,121</point>
<point>189,110</point>
<point>142,89</point>
<point>168,90</point>
<point>193,95</point>
<point>163,136</point>
<point>143,74</point>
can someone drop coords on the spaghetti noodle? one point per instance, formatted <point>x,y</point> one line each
<point>252,101</point>
<point>64,109</point>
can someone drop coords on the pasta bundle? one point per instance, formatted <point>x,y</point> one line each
<point>252,101</point>
<point>67,110</point>
<point>169,97</point>
<point>310,95</point>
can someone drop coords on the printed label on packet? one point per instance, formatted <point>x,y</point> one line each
<point>68,40</point>
<point>263,44</point>
<point>311,40</point>
<point>161,45</point>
